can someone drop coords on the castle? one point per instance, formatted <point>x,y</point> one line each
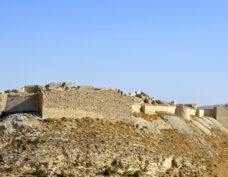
<point>66,99</point>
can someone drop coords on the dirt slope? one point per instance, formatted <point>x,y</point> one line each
<point>161,145</point>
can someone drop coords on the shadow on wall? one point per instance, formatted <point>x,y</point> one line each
<point>23,104</point>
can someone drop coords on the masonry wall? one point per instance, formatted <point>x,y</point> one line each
<point>152,109</point>
<point>136,108</point>
<point>221,113</point>
<point>3,98</point>
<point>184,112</point>
<point>209,112</point>
<point>89,102</point>
<point>200,113</point>
<point>192,112</point>
<point>23,103</point>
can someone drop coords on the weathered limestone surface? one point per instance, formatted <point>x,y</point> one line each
<point>152,109</point>
<point>192,111</point>
<point>60,85</point>
<point>86,102</point>
<point>33,88</point>
<point>209,112</point>
<point>23,103</point>
<point>66,99</point>
<point>3,98</point>
<point>136,108</point>
<point>199,112</point>
<point>222,114</point>
<point>184,112</point>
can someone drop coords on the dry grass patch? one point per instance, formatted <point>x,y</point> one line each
<point>147,117</point>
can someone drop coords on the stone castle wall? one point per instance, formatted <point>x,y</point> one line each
<point>57,100</point>
<point>184,112</point>
<point>199,112</point>
<point>23,103</point>
<point>3,98</point>
<point>221,113</point>
<point>152,109</point>
<point>192,112</point>
<point>86,102</point>
<point>209,112</point>
<point>136,108</point>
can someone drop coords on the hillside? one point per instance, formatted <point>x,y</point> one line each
<point>158,145</point>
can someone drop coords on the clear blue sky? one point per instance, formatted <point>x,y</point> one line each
<point>169,49</point>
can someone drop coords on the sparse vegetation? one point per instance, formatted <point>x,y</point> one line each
<point>40,172</point>
<point>1,157</point>
<point>137,174</point>
<point>64,174</point>
<point>71,174</point>
<point>110,171</point>
<point>92,137</point>
<point>132,173</point>
<point>128,173</point>
<point>147,117</point>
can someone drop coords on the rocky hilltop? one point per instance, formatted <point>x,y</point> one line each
<point>151,145</point>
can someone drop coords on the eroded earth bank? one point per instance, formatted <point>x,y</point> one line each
<point>158,145</point>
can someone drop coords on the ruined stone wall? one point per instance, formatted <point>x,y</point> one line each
<point>221,113</point>
<point>183,112</point>
<point>152,109</point>
<point>86,102</point>
<point>192,111</point>
<point>3,98</point>
<point>209,112</point>
<point>31,88</point>
<point>22,103</point>
<point>200,113</point>
<point>136,108</point>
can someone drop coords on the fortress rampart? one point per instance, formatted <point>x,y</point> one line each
<point>152,109</point>
<point>210,112</point>
<point>88,102</point>
<point>186,112</point>
<point>57,100</point>
<point>3,98</point>
<point>23,103</point>
<point>200,113</point>
<point>221,114</point>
